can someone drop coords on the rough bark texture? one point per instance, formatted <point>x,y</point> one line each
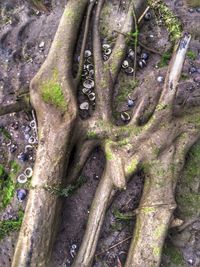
<point>164,138</point>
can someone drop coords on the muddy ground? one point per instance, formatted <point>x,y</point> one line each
<point>26,33</point>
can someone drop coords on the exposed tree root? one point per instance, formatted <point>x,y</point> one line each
<point>164,138</point>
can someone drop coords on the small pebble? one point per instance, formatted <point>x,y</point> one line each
<point>190,261</point>
<point>191,10</point>
<point>84,106</point>
<point>197,79</point>
<point>21,194</point>
<point>192,70</point>
<point>27,129</point>
<point>144,56</point>
<point>160,79</point>
<point>147,16</point>
<point>125,64</point>
<point>142,63</point>
<point>27,136</point>
<point>14,125</point>
<point>23,156</point>
<point>88,53</point>
<point>131,54</point>
<point>130,103</point>
<point>198,9</point>
<point>41,45</point>
<point>13,148</point>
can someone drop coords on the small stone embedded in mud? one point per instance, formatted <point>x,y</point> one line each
<point>27,129</point>
<point>192,70</point>
<point>144,55</point>
<point>197,79</point>
<point>26,136</point>
<point>160,79</point>
<point>88,53</point>
<point>130,103</point>
<point>147,16</point>
<point>84,106</point>
<point>14,125</point>
<point>142,63</point>
<point>131,54</point>
<point>41,45</point>
<point>21,194</point>
<point>191,10</point>
<point>23,156</point>
<point>13,148</point>
<point>125,64</point>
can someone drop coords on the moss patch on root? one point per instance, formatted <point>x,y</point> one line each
<point>187,196</point>
<point>6,227</point>
<point>52,93</point>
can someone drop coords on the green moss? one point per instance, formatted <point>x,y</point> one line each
<point>6,227</point>
<point>91,135</point>
<point>126,87</point>
<point>72,14</point>
<point>184,77</point>
<point>171,22</point>
<point>5,133</point>
<point>52,93</point>
<point>108,151</point>
<point>69,190</point>
<point>191,55</point>
<point>7,186</point>
<point>157,251</point>
<point>147,209</point>
<point>164,61</point>
<point>174,254</point>
<point>122,216</point>
<point>159,231</point>
<point>132,167</point>
<point>117,226</point>
<point>187,196</point>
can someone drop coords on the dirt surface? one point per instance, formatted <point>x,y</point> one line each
<point>26,34</point>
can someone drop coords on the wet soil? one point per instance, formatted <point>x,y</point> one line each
<point>26,34</point>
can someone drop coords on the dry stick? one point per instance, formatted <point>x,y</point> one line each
<point>135,41</point>
<point>86,30</point>
<point>113,246</point>
<point>143,14</point>
<point>141,44</point>
<point>22,104</point>
<point>174,73</point>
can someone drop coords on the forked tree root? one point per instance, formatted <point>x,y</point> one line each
<point>164,138</point>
